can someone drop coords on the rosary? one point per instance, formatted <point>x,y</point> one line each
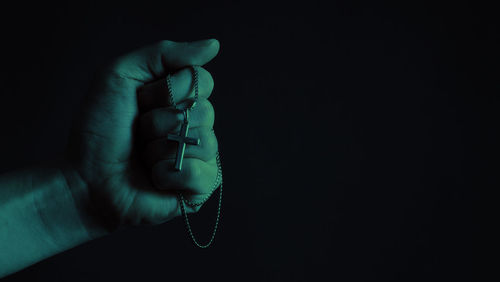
<point>182,140</point>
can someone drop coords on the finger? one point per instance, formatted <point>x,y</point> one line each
<point>162,149</point>
<point>158,123</point>
<point>197,177</point>
<point>155,61</point>
<point>155,207</point>
<point>156,94</point>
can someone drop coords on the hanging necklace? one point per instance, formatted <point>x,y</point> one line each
<point>182,139</point>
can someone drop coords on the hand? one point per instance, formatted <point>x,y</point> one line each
<point>117,146</point>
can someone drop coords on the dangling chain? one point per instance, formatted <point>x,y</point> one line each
<point>186,219</point>
<point>218,180</point>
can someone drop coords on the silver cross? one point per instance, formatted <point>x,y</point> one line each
<point>182,140</point>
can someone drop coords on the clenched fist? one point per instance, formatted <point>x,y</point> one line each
<point>118,146</point>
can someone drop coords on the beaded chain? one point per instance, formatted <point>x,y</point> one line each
<point>186,219</point>
<point>218,180</point>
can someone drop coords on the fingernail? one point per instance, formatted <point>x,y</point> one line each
<point>204,42</point>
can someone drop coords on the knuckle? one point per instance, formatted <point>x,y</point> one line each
<point>114,70</point>
<point>207,79</point>
<point>211,143</point>
<point>165,44</point>
<point>207,111</point>
<point>192,174</point>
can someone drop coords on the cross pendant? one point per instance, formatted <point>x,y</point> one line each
<point>182,139</point>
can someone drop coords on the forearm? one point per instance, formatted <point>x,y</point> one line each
<point>42,213</point>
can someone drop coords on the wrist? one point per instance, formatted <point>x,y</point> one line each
<point>94,225</point>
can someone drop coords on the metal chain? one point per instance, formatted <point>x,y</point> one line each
<point>186,219</point>
<point>195,84</point>
<point>218,179</point>
<point>170,94</point>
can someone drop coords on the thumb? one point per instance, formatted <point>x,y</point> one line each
<point>156,61</point>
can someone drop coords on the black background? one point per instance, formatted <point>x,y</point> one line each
<point>355,136</point>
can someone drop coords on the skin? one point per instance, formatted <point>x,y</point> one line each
<point>118,168</point>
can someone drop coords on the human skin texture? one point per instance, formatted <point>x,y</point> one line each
<point>118,167</point>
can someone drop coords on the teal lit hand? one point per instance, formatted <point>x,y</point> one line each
<point>116,148</point>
